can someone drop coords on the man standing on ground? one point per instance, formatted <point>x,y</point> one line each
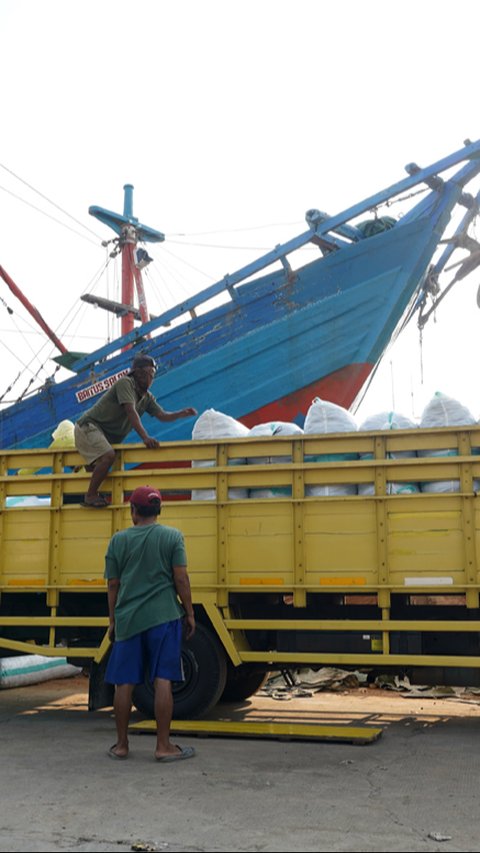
<point>112,417</point>
<point>146,569</point>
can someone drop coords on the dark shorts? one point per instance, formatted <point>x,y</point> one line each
<point>156,652</point>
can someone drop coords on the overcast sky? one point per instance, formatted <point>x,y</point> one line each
<point>231,120</point>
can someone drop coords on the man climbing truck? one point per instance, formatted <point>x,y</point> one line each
<point>379,578</point>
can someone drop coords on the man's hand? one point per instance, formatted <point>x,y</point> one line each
<point>113,587</point>
<point>149,441</point>
<point>189,622</point>
<point>188,412</point>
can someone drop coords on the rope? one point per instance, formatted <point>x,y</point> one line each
<point>10,310</point>
<point>44,213</point>
<point>392,201</point>
<point>10,388</point>
<point>22,395</point>
<point>61,209</point>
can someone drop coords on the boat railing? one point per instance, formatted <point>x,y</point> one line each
<point>320,227</point>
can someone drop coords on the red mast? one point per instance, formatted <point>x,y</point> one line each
<point>130,231</point>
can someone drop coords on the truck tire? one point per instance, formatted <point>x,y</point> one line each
<point>242,682</point>
<point>205,670</point>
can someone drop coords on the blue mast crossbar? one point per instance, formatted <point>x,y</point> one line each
<point>334,223</point>
<point>118,222</point>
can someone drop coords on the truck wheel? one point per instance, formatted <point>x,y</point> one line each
<point>242,682</point>
<point>205,670</point>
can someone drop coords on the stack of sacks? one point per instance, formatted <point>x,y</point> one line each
<point>325,417</point>
<point>271,429</point>
<point>388,420</point>
<point>214,425</point>
<point>444,411</point>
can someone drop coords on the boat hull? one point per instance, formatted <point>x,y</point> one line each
<point>265,353</point>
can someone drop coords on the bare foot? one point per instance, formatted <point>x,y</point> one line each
<point>176,753</point>
<point>97,501</point>
<point>120,753</point>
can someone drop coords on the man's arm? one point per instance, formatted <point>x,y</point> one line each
<point>136,424</point>
<point>162,415</point>
<point>112,593</point>
<point>182,586</point>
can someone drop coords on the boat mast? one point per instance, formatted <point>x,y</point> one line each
<point>130,231</point>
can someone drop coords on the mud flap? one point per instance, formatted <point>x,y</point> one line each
<point>100,694</point>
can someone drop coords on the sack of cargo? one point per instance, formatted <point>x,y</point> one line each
<point>324,417</point>
<point>272,428</point>
<point>214,425</point>
<point>382,421</point>
<point>445,411</point>
<point>20,670</point>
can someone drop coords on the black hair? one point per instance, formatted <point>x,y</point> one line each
<point>143,360</point>
<point>148,511</point>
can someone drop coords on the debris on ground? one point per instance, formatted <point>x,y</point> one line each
<point>437,836</point>
<point>296,683</point>
<point>289,684</point>
<point>425,691</point>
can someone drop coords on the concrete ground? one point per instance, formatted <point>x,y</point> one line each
<point>414,789</point>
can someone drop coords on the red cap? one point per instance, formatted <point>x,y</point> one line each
<point>145,496</point>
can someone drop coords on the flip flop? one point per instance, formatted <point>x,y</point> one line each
<point>114,755</point>
<point>98,503</point>
<point>183,752</point>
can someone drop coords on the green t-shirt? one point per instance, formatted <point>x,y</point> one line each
<point>143,558</point>
<point>109,414</point>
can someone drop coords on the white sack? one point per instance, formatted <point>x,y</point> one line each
<point>20,670</point>
<point>214,425</point>
<point>445,411</point>
<point>271,429</point>
<point>381,421</point>
<point>324,417</point>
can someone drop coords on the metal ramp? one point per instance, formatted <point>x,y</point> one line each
<point>360,735</point>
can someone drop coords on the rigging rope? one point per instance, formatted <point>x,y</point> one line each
<point>234,248</point>
<point>54,204</point>
<point>24,366</point>
<point>76,315</point>
<point>391,201</point>
<point>44,213</point>
<point>232,230</point>
<point>22,395</point>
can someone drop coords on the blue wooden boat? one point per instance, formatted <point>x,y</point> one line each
<point>281,335</point>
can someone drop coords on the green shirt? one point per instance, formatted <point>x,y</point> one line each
<point>109,414</point>
<point>143,558</point>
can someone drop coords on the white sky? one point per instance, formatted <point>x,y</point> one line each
<point>225,116</point>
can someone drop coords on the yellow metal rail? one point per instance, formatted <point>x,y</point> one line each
<point>419,544</point>
<point>359,735</point>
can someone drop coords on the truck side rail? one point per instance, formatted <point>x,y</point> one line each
<point>268,531</point>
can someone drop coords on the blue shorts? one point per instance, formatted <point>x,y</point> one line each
<point>156,652</point>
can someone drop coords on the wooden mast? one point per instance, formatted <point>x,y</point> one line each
<point>130,231</point>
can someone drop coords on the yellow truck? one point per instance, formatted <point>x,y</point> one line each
<point>359,550</point>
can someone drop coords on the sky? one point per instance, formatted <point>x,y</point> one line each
<point>231,120</point>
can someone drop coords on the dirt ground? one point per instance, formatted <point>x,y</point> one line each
<point>415,788</point>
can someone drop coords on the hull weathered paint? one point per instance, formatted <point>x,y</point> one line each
<point>282,338</point>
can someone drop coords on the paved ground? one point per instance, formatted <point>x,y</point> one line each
<point>421,778</point>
